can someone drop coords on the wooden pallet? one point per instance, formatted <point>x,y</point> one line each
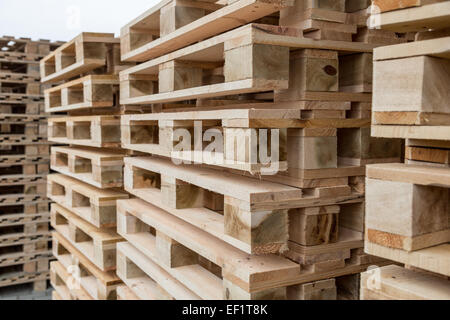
<point>85,53</point>
<point>34,108</point>
<point>22,219</point>
<point>27,259</point>
<point>19,98</point>
<point>27,181</point>
<point>170,24</point>
<point>27,45</point>
<point>18,78</point>
<point>98,245</point>
<point>229,206</point>
<point>23,160</point>
<point>93,91</point>
<point>397,283</point>
<point>20,58</point>
<point>420,16</point>
<point>147,280</point>
<point>170,78</point>
<point>100,285</point>
<point>156,134</point>
<point>91,131</point>
<point>94,205</point>
<point>101,168</point>
<point>227,272</point>
<point>61,281</point>
<point>17,118</point>
<point>39,279</point>
<point>18,139</point>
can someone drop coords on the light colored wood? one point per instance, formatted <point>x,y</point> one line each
<point>211,50</point>
<point>59,278</point>
<point>140,282</point>
<point>94,91</point>
<point>98,245</point>
<point>320,290</point>
<point>94,205</point>
<point>396,283</point>
<point>421,175</point>
<point>91,131</point>
<point>101,168</point>
<point>412,132</point>
<point>391,5</point>
<point>124,293</point>
<point>224,19</point>
<point>411,84</point>
<point>439,48</point>
<point>99,284</point>
<point>84,53</point>
<point>435,259</point>
<point>432,16</point>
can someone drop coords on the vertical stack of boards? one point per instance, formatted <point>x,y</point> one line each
<point>24,165</point>
<point>89,165</point>
<point>245,132</point>
<point>408,204</point>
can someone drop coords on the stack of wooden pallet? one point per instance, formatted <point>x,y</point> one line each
<point>24,164</point>
<point>408,205</point>
<point>259,138</point>
<point>90,169</point>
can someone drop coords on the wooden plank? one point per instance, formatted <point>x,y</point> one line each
<point>439,48</point>
<point>421,175</point>
<point>435,259</point>
<point>396,283</point>
<point>144,29</point>
<point>412,132</point>
<point>144,277</point>
<point>432,16</point>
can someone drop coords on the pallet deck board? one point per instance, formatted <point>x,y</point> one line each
<point>223,19</point>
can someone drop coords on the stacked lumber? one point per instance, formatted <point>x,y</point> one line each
<point>231,219</point>
<point>89,168</point>
<point>24,164</point>
<point>408,206</point>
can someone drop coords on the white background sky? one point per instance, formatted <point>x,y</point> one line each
<point>64,19</point>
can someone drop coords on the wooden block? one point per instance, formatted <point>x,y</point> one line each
<point>256,61</point>
<point>311,152</point>
<point>428,154</point>
<point>180,195</point>
<point>356,72</point>
<point>172,253</point>
<point>320,290</point>
<point>177,14</point>
<point>314,226</point>
<point>177,75</point>
<point>311,70</point>
<point>265,231</point>
<point>357,143</point>
<point>418,84</point>
<point>406,216</point>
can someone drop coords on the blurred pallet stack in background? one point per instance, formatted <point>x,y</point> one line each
<point>89,175</point>
<point>217,215</point>
<point>408,204</point>
<point>24,164</point>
